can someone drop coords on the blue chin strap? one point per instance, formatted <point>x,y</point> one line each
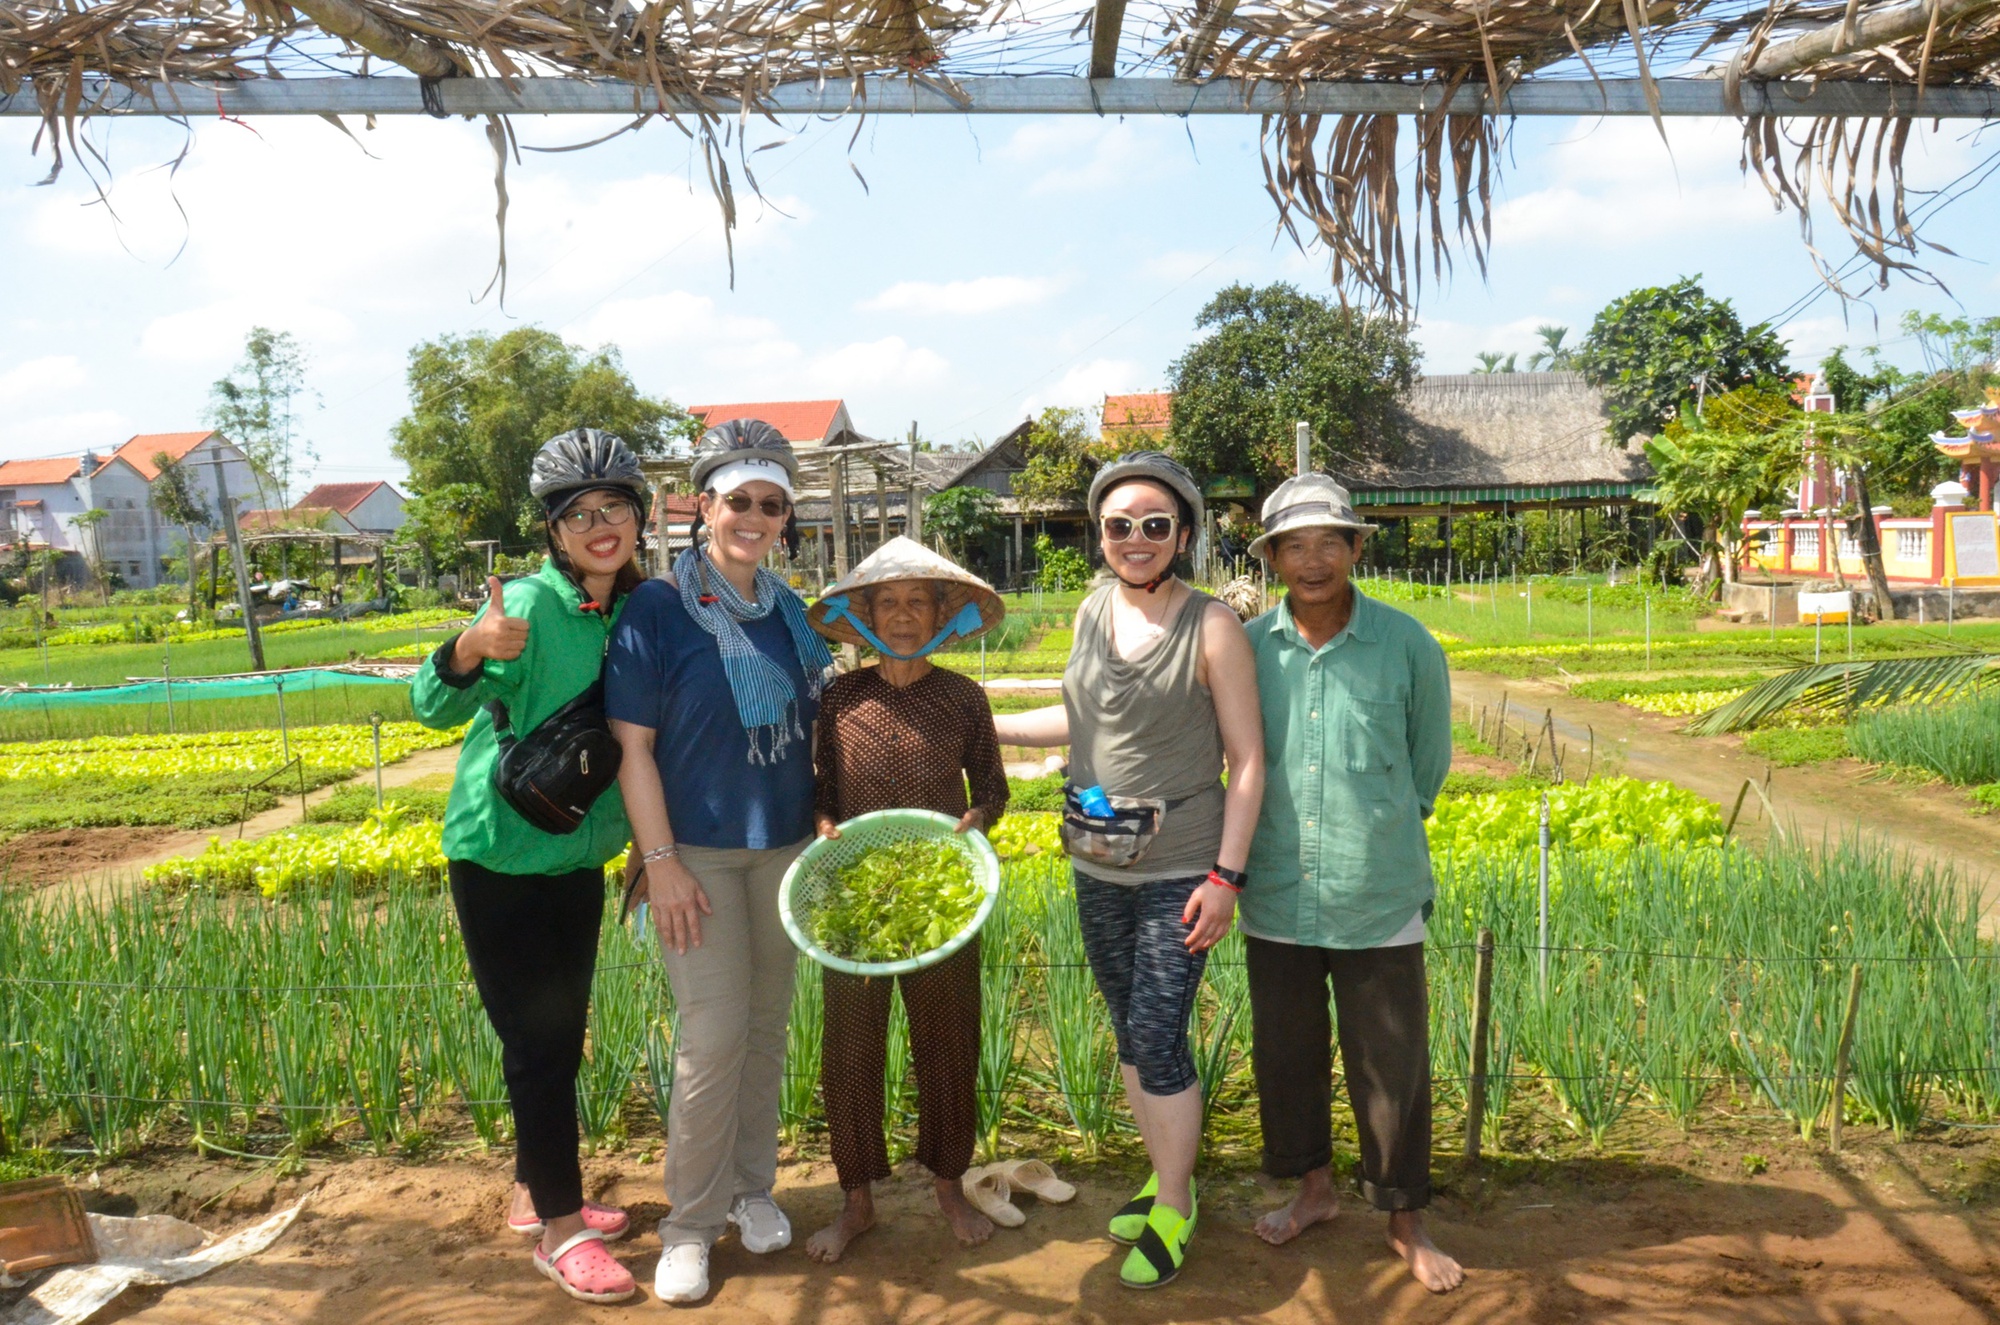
<point>967,623</point>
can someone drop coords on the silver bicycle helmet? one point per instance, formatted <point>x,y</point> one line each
<point>583,460</point>
<point>1154,466</point>
<point>740,439</point>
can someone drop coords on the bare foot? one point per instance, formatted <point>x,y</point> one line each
<point>1409,1239</point>
<point>856,1218</point>
<point>967,1224</point>
<point>1315,1202</point>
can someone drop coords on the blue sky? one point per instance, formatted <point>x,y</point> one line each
<point>989,267</point>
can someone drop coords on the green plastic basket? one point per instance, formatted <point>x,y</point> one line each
<point>809,879</point>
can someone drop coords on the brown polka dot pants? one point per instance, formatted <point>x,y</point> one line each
<point>942,1005</point>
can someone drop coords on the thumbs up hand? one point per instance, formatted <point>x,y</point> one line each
<point>495,635</point>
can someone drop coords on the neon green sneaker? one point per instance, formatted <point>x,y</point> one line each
<point>1156,1257</point>
<point>1130,1221</point>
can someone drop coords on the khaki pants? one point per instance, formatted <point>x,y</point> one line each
<point>734,996</point>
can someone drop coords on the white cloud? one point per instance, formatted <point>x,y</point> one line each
<point>1087,384</point>
<point>45,376</point>
<point>60,434</point>
<point>982,294</point>
<point>675,318</point>
<point>1454,347</point>
<point>865,365</point>
<point>1810,339</point>
<point>213,334</point>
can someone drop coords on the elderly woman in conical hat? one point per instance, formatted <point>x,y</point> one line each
<point>903,733</point>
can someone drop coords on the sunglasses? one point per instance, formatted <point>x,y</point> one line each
<point>615,514</point>
<point>1153,528</point>
<point>772,507</point>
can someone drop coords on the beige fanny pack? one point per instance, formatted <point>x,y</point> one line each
<point>1116,841</point>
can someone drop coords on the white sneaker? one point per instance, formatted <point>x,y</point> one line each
<point>683,1273</point>
<point>760,1223</point>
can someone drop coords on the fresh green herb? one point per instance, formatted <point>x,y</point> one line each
<point>897,902</point>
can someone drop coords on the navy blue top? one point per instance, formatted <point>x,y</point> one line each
<point>665,672</point>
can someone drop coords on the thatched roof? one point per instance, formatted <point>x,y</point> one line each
<point>1539,436</point>
<point>1349,179</point>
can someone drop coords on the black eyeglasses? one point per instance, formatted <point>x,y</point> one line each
<point>1153,528</point>
<point>741,502</point>
<point>616,514</point>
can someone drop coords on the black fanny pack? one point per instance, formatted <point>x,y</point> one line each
<point>554,774</point>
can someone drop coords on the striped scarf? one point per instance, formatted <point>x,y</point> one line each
<point>766,702</point>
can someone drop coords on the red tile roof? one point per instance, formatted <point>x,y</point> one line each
<point>798,420</point>
<point>342,497</point>
<point>139,452</point>
<point>1148,410</point>
<point>34,473</point>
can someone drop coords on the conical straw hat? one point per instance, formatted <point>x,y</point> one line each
<point>906,559</point>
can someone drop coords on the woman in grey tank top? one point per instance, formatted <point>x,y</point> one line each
<point>1159,698</point>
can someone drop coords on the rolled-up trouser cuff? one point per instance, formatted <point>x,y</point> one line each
<point>1297,1166</point>
<point>1394,1198</point>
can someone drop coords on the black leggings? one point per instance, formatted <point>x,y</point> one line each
<point>531,940</point>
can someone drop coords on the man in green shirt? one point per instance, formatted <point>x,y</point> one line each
<point>1357,739</point>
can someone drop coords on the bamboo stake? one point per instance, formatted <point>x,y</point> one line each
<point>1482,1019</point>
<point>1840,1056</point>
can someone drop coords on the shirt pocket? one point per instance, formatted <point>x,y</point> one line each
<point>1375,745</point>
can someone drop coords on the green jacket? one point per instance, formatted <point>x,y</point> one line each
<point>564,654</point>
<point>1357,742</point>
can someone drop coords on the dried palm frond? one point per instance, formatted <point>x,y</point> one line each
<point>1842,687</point>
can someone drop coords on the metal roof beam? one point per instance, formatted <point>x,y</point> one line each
<point>1022,96</point>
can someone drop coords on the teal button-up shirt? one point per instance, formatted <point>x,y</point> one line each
<point>1357,742</point>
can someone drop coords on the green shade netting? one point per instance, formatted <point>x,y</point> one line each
<point>191,690</point>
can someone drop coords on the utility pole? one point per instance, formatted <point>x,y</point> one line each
<point>913,517</point>
<point>235,534</point>
<point>1304,433</point>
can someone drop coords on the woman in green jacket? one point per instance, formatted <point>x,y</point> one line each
<point>529,902</point>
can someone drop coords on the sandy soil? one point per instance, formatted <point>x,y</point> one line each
<point>1877,1237</point>
<point>56,855</point>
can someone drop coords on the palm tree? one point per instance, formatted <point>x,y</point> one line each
<point>1491,361</point>
<point>1554,356</point>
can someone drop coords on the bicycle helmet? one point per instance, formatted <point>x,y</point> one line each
<point>741,439</point>
<point>1157,467</point>
<point>584,460</point>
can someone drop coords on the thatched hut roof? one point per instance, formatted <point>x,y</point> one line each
<point>1482,439</point>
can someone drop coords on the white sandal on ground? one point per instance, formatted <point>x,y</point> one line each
<point>986,1187</point>
<point>1032,1175</point>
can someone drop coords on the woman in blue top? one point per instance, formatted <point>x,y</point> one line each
<point>712,686</point>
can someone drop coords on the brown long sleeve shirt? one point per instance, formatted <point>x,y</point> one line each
<point>881,747</point>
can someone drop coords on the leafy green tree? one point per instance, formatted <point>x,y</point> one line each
<point>178,501</point>
<point>1962,347</point>
<point>258,407</point>
<point>1062,457</point>
<point>1554,356</point>
<point>1655,349</point>
<point>481,406</point>
<point>960,516</point>
<point>1738,453</point>
<point>1274,356</point>
<point>89,530</point>
<point>436,525</point>
<point>1058,569</point>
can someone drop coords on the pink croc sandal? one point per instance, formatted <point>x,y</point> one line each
<point>583,1268</point>
<point>606,1219</point>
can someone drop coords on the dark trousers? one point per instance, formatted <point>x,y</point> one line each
<point>531,940</point>
<point>1383,1005</point>
<point>941,1003</point>
<point>1136,943</point>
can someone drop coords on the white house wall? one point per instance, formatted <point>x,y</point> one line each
<point>380,512</point>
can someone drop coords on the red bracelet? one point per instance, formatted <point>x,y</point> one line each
<point>1215,877</point>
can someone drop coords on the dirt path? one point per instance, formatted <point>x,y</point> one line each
<point>1595,1240</point>
<point>151,846</point>
<point>1816,801</point>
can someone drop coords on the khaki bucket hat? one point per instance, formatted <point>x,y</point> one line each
<point>1310,501</point>
<point>971,606</point>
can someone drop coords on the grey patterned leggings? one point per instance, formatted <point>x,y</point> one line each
<point>1137,946</point>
